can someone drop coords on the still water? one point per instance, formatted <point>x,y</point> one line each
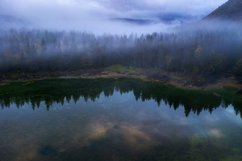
<point>112,121</point>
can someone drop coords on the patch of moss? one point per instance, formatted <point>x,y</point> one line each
<point>121,69</point>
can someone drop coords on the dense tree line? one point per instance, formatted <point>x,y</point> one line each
<point>201,52</point>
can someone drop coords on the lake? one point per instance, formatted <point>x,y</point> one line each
<point>118,120</point>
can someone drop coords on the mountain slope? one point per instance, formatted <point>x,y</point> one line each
<point>7,22</point>
<point>231,10</point>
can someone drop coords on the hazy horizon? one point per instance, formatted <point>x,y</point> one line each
<point>105,16</point>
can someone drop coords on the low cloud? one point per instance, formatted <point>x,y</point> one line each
<point>108,16</point>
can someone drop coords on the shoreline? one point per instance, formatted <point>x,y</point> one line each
<point>164,78</point>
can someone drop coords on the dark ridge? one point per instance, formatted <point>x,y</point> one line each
<point>231,10</point>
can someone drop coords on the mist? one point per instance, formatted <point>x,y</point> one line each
<point>74,35</point>
<point>104,16</point>
<point>208,49</point>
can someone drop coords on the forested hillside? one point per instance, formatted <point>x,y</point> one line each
<point>196,51</point>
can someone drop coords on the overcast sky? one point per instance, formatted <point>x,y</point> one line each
<point>108,16</point>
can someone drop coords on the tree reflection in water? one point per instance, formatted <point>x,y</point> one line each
<point>59,91</point>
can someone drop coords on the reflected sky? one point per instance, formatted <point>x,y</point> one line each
<point>117,127</point>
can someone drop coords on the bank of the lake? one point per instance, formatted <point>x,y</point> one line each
<point>118,71</point>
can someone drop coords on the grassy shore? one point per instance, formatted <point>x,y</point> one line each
<point>118,71</point>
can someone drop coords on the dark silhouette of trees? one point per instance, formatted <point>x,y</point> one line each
<point>61,91</point>
<point>202,52</point>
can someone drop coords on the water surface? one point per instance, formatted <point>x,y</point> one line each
<point>116,120</point>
